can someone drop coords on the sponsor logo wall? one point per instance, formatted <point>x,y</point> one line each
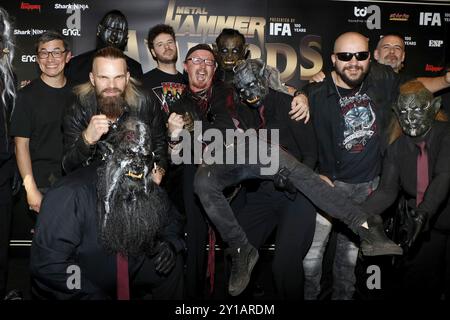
<point>293,36</point>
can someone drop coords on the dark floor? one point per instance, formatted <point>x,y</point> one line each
<point>19,276</point>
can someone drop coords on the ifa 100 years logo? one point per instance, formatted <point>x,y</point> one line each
<point>201,25</point>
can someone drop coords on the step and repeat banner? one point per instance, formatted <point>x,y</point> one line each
<point>294,36</point>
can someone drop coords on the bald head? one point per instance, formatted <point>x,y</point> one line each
<point>346,40</point>
<point>351,59</point>
<point>391,51</point>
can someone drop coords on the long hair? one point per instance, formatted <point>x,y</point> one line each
<point>7,86</point>
<point>132,93</point>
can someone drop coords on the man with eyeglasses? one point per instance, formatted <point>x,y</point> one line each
<point>350,112</point>
<point>111,31</point>
<point>37,119</point>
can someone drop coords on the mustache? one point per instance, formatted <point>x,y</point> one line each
<point>112,90</point>
<point>353,68</point>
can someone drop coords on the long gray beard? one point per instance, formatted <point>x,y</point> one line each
<point>130,217</point>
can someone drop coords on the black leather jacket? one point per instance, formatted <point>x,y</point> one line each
<point>76,119</point>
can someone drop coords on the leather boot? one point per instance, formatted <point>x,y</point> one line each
<point>374,241</point>
<point>243,259</point>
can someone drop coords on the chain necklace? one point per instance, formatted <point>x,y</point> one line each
<point>341,98</point>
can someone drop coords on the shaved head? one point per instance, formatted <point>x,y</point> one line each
<point>347,39</point>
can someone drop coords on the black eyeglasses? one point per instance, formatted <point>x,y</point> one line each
<point>347,56</point>
<point>198,60</point>
<point>55,54</point>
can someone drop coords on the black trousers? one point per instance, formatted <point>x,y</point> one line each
<point>294,217</point>
<point>5,222</point>
<point>196,230</point>
<point>427,268</point>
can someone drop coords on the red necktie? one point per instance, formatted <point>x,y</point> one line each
<point>262,125</point>
<point>211,259</point>
<point>422,172</point>
<point>123,285</point>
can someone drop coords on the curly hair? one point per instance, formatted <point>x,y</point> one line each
<point>156,30</point>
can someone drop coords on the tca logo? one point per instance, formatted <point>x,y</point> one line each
<point>374,18</point>
<point>276,28</point>
<point>427,17</point>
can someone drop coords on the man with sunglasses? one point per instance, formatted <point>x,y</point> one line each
<point>350,111</point>
<point>112,30</point>
<point>37,119</point>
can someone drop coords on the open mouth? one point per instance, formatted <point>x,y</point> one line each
<point>254,100</point>
<point>134,175</point>
<point>230,63</point>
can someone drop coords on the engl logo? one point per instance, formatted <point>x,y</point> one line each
<point>28,58</point>
<point>435,43</point>
<point>373,14</point>
<point>71,32</point>
<point>29,6</point>
<point>431,68</point>
<point>432,18</point>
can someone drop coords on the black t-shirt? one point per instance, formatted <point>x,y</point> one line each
<point>38,116</point>
<point>446,101</point>
<point>166,87</point>
<point>360,145</point>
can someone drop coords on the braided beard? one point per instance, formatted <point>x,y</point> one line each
<point>131,212</point>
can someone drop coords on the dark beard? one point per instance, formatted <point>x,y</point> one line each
<point>111,106</point>
<point>167,61</point>
<point>135,216</point>
<point>352,83</point>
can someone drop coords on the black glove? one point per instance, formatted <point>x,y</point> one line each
<point>282,182</point>
<point>165,257</point>
<point>419,221</point>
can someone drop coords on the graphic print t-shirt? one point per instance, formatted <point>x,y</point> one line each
<point>167,88</point>
<point>360,155</point>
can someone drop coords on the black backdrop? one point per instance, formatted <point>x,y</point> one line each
<point>294,36</point>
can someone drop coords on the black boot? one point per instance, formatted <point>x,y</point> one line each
<point>374,241</point>
<point>243,259</point>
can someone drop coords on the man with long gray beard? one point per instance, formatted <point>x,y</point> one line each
<point>101,105</point>
<point>108,231</point>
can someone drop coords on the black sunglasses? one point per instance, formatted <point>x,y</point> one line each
<point>347,56</point>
